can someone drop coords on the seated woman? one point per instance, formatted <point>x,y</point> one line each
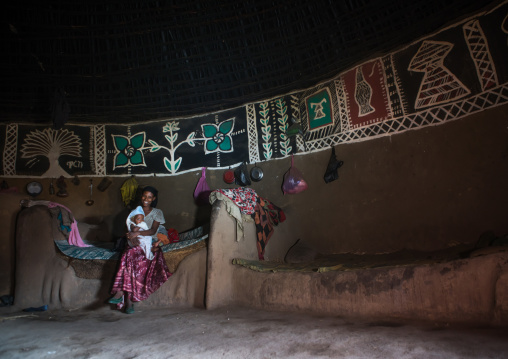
<point>137,276</point>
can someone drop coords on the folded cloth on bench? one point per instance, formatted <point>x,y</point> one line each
<point>67,224</point>
<point>240,203</point>
<point>73,235</point>
<point>243,198</point>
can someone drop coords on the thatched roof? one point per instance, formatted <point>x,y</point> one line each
<point>124,60</point>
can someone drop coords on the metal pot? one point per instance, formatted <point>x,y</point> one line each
<point>256,174</point>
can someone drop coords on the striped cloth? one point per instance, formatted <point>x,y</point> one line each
<point>104,250</point>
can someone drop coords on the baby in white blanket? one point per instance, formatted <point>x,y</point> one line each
<point>135,222</point>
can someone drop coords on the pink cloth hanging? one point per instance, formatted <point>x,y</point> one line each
<point>202,191</point>
<point>74,236</point>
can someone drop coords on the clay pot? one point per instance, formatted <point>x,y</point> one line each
<point>229,177</point>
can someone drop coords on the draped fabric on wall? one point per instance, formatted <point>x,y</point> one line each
<point>445,76</point>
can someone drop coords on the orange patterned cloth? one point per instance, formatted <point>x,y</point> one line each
<point>171,237</point>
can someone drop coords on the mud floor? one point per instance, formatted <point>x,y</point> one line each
<point>234,333</point>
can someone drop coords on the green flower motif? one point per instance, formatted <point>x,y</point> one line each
<point>218,138</point>
<point>128,150</point>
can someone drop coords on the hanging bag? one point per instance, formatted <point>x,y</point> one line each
<point>202,191</point>
<point>331,173</point>
<point>293,180</point>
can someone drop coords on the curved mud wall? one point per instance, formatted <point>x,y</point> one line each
<point>424,189</point>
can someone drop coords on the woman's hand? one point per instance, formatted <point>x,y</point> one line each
<point>133,238</point>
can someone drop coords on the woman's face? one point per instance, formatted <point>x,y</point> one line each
<point>147,198</point>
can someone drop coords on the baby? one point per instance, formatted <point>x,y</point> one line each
<point>135,222</point>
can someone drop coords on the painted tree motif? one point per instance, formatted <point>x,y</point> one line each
<point>52,144</point>
<point>172,163</point>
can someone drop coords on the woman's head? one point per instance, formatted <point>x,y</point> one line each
<point>149,196</point>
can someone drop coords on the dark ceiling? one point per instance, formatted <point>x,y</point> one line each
<point>119,61</point>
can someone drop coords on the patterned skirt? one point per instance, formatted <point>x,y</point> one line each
<point>138,276</point>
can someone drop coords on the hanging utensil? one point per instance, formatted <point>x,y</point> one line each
<point>90,201</point>
<point>75,180</point>
<point>256,173</point>
<point>51,188</point>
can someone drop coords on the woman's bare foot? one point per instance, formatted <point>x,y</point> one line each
<point>118,294</point>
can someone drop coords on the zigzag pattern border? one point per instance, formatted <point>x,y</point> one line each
<point>10,149</point>
<point>480,53</point>
<point>252,133</point>
<point>99,133</point>
<point>296,116</point>
<point>343,105</point>
<point>433,116</point>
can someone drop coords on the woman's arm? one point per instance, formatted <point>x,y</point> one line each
<point>150,232</point>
